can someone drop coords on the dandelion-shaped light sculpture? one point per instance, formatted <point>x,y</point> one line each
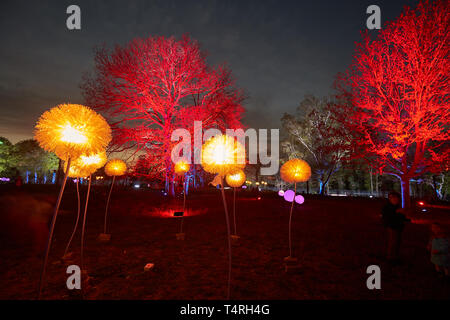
<point>181,167</point>
<point>76,172</point>
<point>293,171</point>
<point>235,181</point>
<point>69,130</point>
<point>223,155</point>
<point>114,168</point>
<point>90,163</point>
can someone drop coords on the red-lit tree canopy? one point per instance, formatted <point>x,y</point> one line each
<point>396,95</point>
<point>150,87</point>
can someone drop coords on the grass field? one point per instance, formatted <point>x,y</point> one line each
<point>335,239</point>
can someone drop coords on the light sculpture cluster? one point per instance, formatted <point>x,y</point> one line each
<point>181,167</point>
<point>224,155</point>
<point>83,166</point>
<point>235,180</point>
<point>294,171</point>
<point>78,135</point>
<point>114,168</point>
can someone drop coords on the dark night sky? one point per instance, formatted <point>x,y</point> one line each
<point>278,50</point>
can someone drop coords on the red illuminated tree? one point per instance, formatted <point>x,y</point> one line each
<point>152,86</point>
<point>396,95</point>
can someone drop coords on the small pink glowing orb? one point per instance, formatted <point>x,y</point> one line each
<point>281,193</point>
<point>289,195</point>
<point>299,199</point>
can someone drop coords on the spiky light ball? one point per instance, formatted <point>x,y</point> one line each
<point>295,170</point>
<point>223,155</point>
<point>235,180</point>
<point>115,167</point>
<point>94,160</point>
<point>78,172</point>
<point>70,130</point>
<point>181,167</point>
<point>86,164</point>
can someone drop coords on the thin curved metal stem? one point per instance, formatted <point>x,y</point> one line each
<point>234,210</point>
<point>184,204</point>
<point>76,223</point>
<point>290,221</point>
<point>228,236</point>
<point>107,203</point>
<point>84,222</point>
<point>52,228</point>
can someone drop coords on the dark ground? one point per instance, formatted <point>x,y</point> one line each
<point>336,239</point>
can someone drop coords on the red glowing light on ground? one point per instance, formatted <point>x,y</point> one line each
<point>169,212</point>
<point>421,203</point>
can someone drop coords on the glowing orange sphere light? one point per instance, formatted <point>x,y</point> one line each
<point>223,155</point>
<point>70,130</point>
<point>78,172</point>
<point>235,180</point>
<point>295,170</point>
<point>86,165</point>
<point>115,167</point>
<point>181,167</point>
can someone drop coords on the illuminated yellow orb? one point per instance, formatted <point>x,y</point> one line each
<point>95,160</point>
<point>295,170</point>
<point>181,167</point>
<point>115,167</point>
<point>78,172</point>
<point>86,165</point>
<point>235,180</point>
<point>223,155</point>
<point>70,130</point>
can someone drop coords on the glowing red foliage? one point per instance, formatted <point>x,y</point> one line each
<point>396,95</point>
<point>152,86</point>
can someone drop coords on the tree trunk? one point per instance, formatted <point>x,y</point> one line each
<point>194,175</point>
<point>341,184</point>
<point>321,187</point>
<point>172,186</point>
<point>376,185</point>
<point>166,184</point>
<point>404,183</point>
<point>186,184</point>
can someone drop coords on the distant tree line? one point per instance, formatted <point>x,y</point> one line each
<point>310,134</point>
<point>28,160</point>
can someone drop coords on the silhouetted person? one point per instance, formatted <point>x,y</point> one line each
<point>394,220</point>
<point>439,247</point>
